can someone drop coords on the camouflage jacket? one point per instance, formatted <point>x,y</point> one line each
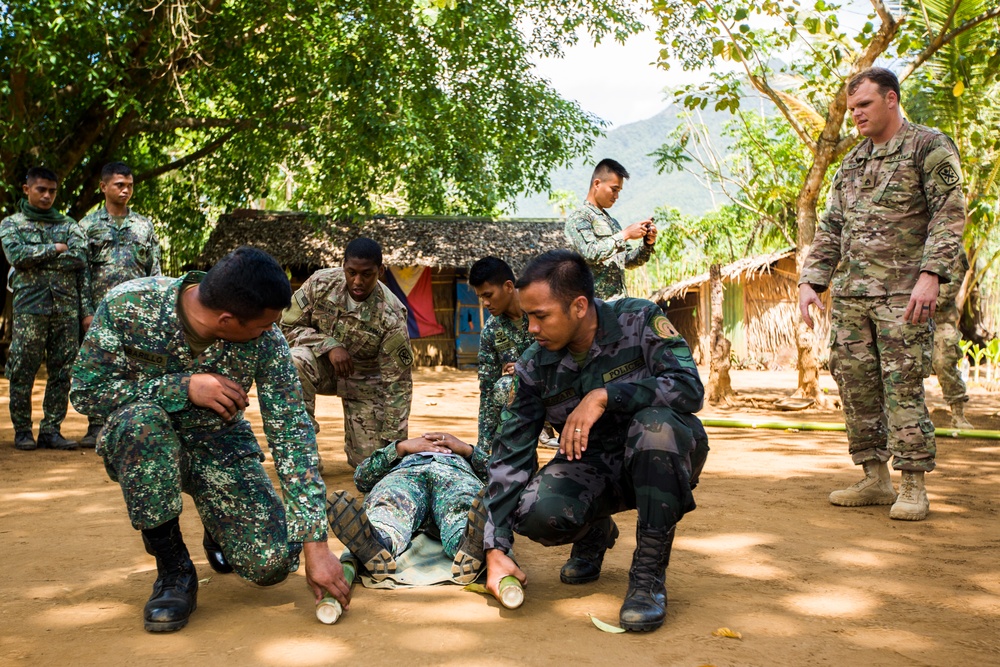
<point>385,460</point>
<point>640,360</point>
<point>118,252</point>
<point>374,334</point>
<point>135,351</point>
<point>893,211</point>
<point>598,237</point>
<point>45,281</point>
<point>502,342</point>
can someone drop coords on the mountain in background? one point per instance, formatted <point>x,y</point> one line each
<point>647,189</point>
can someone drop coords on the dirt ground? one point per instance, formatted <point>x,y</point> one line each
<point>765,554</point>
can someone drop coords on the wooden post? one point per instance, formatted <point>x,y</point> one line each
<point>720,387</point>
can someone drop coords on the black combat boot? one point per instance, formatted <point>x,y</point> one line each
<point>54,440</point>
<point>24,441</point>
<point>213,552</point>
<point>645,604</point>
<point>175,592</point>
<point>587,556</point>
<point>90,439</point>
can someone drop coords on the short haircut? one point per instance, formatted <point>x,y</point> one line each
<point>40,173</point>
<point>490,270</point>
<point>115,169</point>
<point>608,166</point>
<point>246,282</point>
<point>364,248</point>
<point>880,76</point>
<point>566,273</point>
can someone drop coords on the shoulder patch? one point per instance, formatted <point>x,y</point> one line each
<point>944,168</point>
<point>399,348</point>
<point>512,392</point>
<point>662,326</point>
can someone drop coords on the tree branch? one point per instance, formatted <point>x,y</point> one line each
<point>943,39</point>
<point>204,151</point>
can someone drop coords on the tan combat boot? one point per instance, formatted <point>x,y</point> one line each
<point>912,504</point>
<point>875,489</point>
<point>958,419</point>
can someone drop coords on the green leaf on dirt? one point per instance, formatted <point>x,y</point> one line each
<point>605,627</point>
<point>475,588</point>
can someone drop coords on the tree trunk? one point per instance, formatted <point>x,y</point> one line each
<point>720,388</point>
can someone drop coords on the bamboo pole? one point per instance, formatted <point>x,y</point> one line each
<point>976,434</point>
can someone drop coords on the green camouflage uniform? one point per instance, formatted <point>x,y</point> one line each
<point>947,353</point>
<point>645,452</point>
<point>133,372</point>
<point>502,342</point>
<point>598,237</point>
<point>377,395</point>
<point>423,492</point>
<point>893,211</point>
<point>47,310</point>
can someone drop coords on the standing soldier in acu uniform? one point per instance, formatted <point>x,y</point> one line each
<point>121,245</point>
<point>947,352</point>
<point>621,387</point>
<point>167,365</point>
<point>48,252</point>
<point>891,234</point>
<point>348,336</point>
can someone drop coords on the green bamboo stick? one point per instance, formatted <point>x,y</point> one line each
<point>827,426</point>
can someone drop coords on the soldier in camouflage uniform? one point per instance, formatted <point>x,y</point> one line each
<point>601,240</point>
<point>427,484</point>
<point>947,352</point>
<point>891,233</point>
<point>47,251</point>
<point>348,336</point>
<point>121,245</point>
<point>620,385</point>
<point>503,339</point>
<point>167,365</point>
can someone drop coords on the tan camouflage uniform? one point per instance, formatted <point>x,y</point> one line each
<point>947,353</point>
<point>598,237</point>
<point>893,211</point>
<point>377,395</point>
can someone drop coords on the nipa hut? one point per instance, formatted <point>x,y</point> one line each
<point>760,311</point>
<point>446,246</point>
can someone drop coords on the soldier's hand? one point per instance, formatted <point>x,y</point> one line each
<point>807,297</point>
<point>637,230</point>
<point>341,360</point>
<point>217,393</point>
<point>325,574</point>
<point>421,444</point>
<point>650,233</point>
<point>86,323</point>
<point>451,442</point>
<point>923,301</point>
<point>509,367</point>
<point>61,247</point>
<point>498,566</point>
<point>575,434</point>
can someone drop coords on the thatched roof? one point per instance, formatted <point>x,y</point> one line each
<point>309,240</point>
<point>746,268</point>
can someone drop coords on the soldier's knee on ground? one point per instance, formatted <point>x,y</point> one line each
<point>551,522</point>
<point>265,567</point>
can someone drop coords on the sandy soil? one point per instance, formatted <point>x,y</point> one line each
<point>765,554</point>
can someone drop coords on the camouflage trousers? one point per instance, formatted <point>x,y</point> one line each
<point>947,355</point>
<point>430,496</point>
<point>361,398</point>
<point>880,362</point>
<point>57,339</point>
<point>154,462</point>
<point>493,405</point>
<point>653,470</point>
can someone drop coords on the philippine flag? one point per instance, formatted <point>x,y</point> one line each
<point>412,285</point>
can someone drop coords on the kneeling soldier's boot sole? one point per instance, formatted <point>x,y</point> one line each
<point>350,524</point>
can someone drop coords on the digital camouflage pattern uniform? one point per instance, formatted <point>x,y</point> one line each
<point>893,211</point>
<point>377,395</point>
<point>645,452</point>
<point>501,342</point>
<point>47,310</point>
<point>422,492</point>
<point>133,372</point>
<point>947,353</point>
<point>598,237</point>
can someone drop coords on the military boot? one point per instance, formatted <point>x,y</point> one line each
<point>90,440</point>
<point>24,441</point>
<point>912,504</point>
<point>350,524</point>
<point>470,556</point>
<point>587,556</point>
<point>213,552</point>
<point>875,489</point>
<point>958,419</point>
<point>175,592</point>
<point>645,605</point>
<point>54,440</point>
